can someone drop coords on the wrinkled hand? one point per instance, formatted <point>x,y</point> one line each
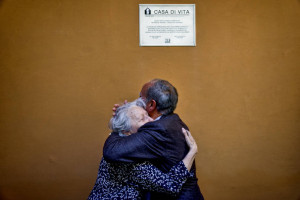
<point>116,106</point>
<point>190,140</point>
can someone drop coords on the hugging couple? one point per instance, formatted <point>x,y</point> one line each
<point>150,152</point>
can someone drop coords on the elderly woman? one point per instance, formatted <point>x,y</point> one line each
<point>129,180</point>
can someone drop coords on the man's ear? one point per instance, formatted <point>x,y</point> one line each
<point>152,105</point>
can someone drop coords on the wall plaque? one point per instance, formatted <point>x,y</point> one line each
<point>167,25</point>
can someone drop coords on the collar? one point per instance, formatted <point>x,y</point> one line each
<point>158,118</point>
<point>122,135</point>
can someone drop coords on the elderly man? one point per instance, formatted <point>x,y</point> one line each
<point>160,142</point>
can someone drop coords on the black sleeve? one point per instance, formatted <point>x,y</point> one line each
<point>146,144</point>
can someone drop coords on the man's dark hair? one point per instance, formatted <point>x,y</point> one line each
<point>164,94</point>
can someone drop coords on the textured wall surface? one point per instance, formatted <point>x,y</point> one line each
<point>64,63</point>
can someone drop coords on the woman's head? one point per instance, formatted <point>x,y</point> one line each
<point>129,117</point>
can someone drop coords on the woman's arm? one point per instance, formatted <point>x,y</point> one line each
<point>148,177</point>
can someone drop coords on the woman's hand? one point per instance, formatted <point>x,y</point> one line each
<point>190,157</point>
<point>190,141</point>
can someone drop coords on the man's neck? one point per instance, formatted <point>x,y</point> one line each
<point>155,115</point>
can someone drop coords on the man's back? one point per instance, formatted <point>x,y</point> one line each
<point>174,146</point>
<point>175,150</point>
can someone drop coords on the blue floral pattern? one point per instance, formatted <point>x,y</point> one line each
<point>127,180</point>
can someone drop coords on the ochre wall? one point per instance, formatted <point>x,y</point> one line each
<point>64,63</point>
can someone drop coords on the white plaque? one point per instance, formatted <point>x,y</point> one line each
<point>167,25</point>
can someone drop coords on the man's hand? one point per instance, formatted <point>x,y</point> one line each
<point>116,106</point>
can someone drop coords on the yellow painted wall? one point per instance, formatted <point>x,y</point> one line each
<point>64,63</point>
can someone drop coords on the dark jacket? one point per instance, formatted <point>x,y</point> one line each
<point>162,143</point>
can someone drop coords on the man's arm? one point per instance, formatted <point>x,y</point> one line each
<point>146,144</point>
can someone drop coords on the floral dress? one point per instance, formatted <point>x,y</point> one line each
<point>127,180</point>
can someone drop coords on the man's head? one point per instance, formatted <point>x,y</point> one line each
<point>160,96</point>
<point>129,118</point>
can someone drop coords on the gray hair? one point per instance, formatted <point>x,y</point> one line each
<point>121,122</point>
<point>164,94</point>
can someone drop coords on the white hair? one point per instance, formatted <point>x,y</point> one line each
<point>121,122</point>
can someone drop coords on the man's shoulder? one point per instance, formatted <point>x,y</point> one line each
<point>166,123</point>
<point>171,119</point>
<point>164,119</point>
<point>153,126</point>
